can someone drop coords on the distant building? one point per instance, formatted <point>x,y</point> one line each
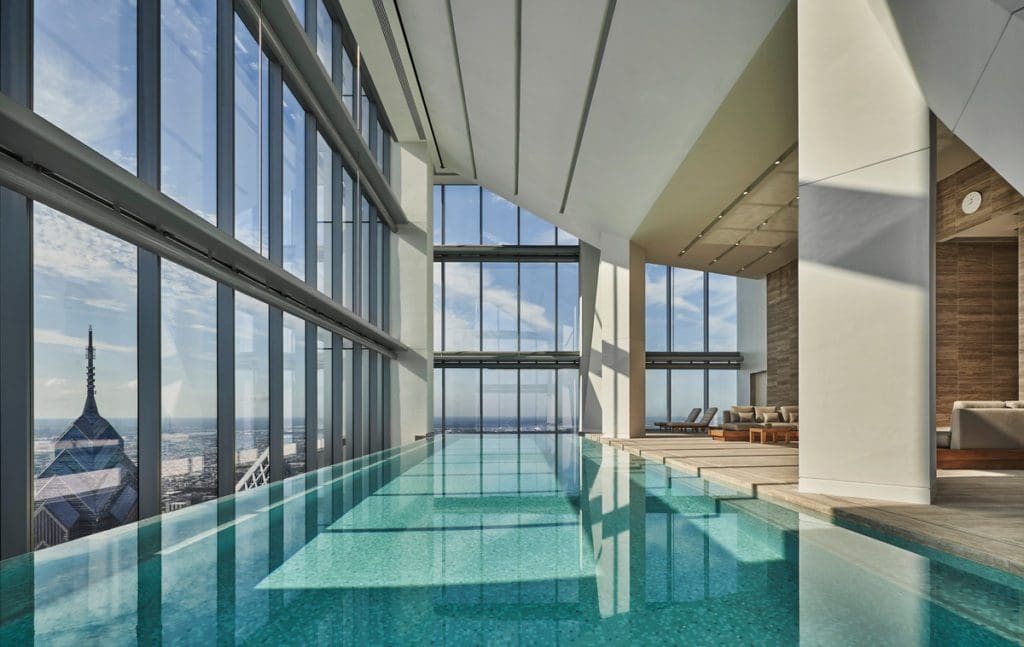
<point>90,484</point>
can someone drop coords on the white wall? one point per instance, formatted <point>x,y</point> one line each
<point>412,298</point>
<point>751,332</point>
<point>866,254</point>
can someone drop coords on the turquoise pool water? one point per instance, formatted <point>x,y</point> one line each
<point>536,539</point>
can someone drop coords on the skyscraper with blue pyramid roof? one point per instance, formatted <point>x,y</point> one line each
<point>90,484</point>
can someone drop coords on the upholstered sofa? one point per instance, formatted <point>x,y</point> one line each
<point>987,425</point>
<point>742,418</point>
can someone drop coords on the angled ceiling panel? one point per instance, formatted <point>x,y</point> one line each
<point>490,85</point>
<point>429,33</point>
<point>666,70</point>
<point>558,47</point>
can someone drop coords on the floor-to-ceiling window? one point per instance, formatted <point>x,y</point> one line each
<point>506,316</point>
<point>160,373</point>
<point>691,342</point>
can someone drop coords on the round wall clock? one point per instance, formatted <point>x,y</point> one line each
<point>972,202</point>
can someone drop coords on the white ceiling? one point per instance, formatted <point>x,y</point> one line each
<point>666,67</point>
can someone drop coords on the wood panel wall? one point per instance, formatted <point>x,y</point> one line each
<point>998,198</point>
<point>977,320</point>
<point>783,336</point>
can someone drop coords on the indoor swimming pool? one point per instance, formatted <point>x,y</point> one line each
<point>500,539</point>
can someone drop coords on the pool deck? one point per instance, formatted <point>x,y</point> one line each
<point>978,515</point>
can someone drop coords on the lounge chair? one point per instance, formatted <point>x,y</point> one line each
<point>703,423</point>
<point>690,418</point>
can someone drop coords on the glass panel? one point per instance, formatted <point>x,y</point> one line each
<point>565,238</point>
<point>568,306</point>
<point>348,81</point>
<point>438,400</point>
<point>364,116</point>
<point>721,312</point>
<point>348,377</point>
<point>461,215</point>
<point>462,306</point>
<point>500,406</point>
<point>84,379</point>
<point>294,401</point>
<point>656,407</point>
<point>687,392</point>
<point>438,306</point>
<point>299,9</point>
<point>251,142</point>
<point>252,393</point>
<point>365,262</point>
<point>656,312</point>
<point>501,220</point>
<point>537,399</point>
<point>293,207</point>
<point>721,391</point>
<point>188,336</point>
<point>500,306</point>
<point>348,241</point>
<point>687,310</point>
<point>534,230</point>
<point>188,104</point>
<point>324,216</point>
<point>462,399</point>
<point>537,306</point>
<point>568,399</point>
<point>438,211</point>
<point>85,73</point>
<point>324,394</point>
<point>324,36</point>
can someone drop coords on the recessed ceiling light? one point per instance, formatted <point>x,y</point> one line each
<point>777,162</point>
<point>700,235</point>
<point>720,216</point>
<point>736,245</point>
<point>771,251</point>
<point>746,192</point>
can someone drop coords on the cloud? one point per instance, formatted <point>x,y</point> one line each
<point>57,338</point>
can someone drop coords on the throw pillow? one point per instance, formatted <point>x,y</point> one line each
<point>746,416</point>
<point>761,412</point>
<point>771,417</point>
<point>794,417</point>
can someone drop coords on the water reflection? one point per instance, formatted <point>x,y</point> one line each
<point>477,539</point>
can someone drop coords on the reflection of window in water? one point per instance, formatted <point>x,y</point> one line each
<point>90,483</point>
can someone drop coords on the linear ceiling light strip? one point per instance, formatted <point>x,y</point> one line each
<point>595,71</point>
<point>462,87</point>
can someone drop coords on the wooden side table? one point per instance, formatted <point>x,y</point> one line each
<point>762,431</point>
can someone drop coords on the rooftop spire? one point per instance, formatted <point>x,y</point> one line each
<point>90,374</point>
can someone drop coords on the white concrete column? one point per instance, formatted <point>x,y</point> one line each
<point>619,328</point>
<point>591,418</point>
<point>866,258</point>
<point>412,304</point>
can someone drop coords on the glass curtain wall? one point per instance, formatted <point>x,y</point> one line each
<point>94,300</point>
<point>692,312</point>
<point>508,302</point>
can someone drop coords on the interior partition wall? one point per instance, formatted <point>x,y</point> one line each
<point>160,350</point>
<point>692,357</point>
<point>506,317</point>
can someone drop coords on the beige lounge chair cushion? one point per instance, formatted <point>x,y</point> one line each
<point>760,412</point>
<point>979,404</point>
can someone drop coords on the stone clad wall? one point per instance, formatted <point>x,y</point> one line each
<point>977,319</point>
<point>783,336</point>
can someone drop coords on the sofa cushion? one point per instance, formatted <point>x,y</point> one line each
<point>794,417</point>
<point>759,412</point>
<point>1015,404</point>
<point>741,409</point>
<point>979,404</point>
<point>772,417</point>
<point>745,416</point>
<point>787,411</point>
